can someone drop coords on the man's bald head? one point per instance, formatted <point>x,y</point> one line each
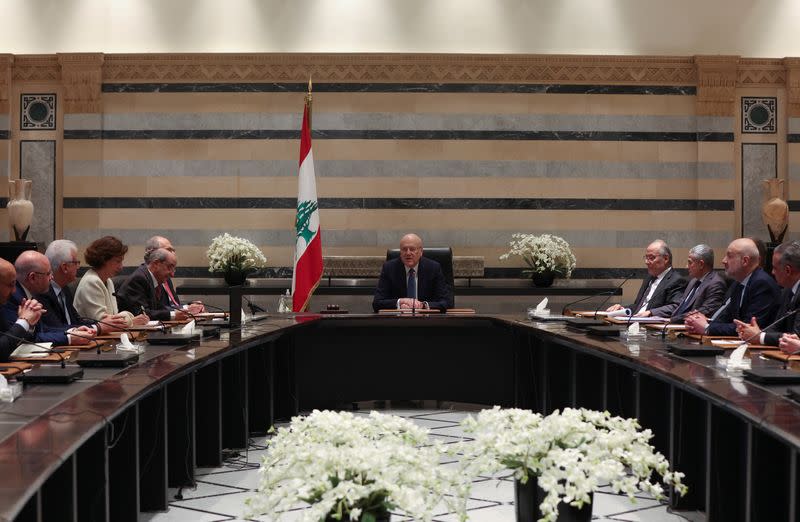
<point>8,279</point>
<point>33,271</point>
<point>741,258</point>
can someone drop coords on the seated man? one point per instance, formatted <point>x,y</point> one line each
<point>59,298</point>
<point>660,293</point>
<point>786,269</point>
<point>706,290</point>
<point>412,281</point>
<point>169,296</point>
<point>755,294</point>
<point>142,291</point>
<point>33,278</point>
<point>28,313</point>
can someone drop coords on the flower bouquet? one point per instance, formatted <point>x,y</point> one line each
<point>352,467</point>
<point>234,256</point>
<point>544,254</point>
<point>569,454</point>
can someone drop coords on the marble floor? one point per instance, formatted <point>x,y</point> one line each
<point>221,492</point>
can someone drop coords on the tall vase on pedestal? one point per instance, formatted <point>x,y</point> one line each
<point>20,208</point>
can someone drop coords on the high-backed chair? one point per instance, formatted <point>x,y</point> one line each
<point>442,255</point>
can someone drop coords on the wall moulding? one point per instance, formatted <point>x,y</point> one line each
<point>6,63</point>
<point>391,68</point>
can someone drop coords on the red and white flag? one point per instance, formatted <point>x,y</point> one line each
<point>308,247</point>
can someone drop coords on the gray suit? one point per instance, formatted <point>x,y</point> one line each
<point>706,299</point>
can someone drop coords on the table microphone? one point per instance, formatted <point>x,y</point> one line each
<point>770,325</point>
<point>45,349</point>
<point>628,278</point>
<point>788,356</point>
<point>586,298</point>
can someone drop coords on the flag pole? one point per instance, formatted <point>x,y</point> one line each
<point>308,102</point>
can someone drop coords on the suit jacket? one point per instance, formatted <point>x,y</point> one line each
<point>55,317</point>
<point>431,285</point>
<point>41,333</point>
<point>760,300</point>
<point>9,344</point>
<point>789,324</point>
<point>666,298</point>
<point>708,297</point>
<point>138,292</point>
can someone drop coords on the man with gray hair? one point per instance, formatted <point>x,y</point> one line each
<point>786,269</point>
<point>754,295</point>
<point>169,296</point>
<point>660,293</point>
<point>706,290</point>
<point>58,298</point>
<point>143,291</point>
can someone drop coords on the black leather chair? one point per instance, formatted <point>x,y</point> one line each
<point>442,255</point>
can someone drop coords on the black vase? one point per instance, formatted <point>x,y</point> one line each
<point>380,516</point>
<point>528,496</point>
<point>543,279</point>
<point>235,277</point>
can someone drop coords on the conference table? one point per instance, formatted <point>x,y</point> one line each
<point>111,444</point>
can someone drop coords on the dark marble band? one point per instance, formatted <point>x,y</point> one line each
<point>680,90</point>
<point>793,138</point>
<point>407,203</point>
<point>794,205</point>
<point>264,134</point>
<point>4,135</point>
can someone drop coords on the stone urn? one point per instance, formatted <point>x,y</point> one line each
<point>20,208</point>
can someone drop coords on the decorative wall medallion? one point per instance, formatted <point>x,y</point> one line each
<point>759,115</point>
<point>38,112</point>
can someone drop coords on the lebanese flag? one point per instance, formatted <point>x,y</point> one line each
<point>308,248</point>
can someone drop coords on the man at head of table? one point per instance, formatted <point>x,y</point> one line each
<point>411,280</point>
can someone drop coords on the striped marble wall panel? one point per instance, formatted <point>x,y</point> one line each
<point>607,169</point>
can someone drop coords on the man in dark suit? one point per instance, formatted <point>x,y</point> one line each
<point>142,291</point>
<point>786,269</point>
<point>661,290</point>
<point>28,313</point>
<point>412,281</point>
<point>706,290</point>
<point>754,295</point>
<point>169,297</point>
<point>33,278</point>
<point>58,299</point>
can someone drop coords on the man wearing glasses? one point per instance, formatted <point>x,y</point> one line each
<point>661,291</point>
<point>33,278</point>
<point>143,291</point>
<point>59,297</point>
<point>168,295</point>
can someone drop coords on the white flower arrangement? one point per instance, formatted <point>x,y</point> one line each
<point>229,252</point>
<point>544,253</point>
<point>350,467</point>
<point>571,453</point>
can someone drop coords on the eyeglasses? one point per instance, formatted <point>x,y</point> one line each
<point>650,258</point>
<point>76,263</point>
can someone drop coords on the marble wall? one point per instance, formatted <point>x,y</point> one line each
<point>462,150</point>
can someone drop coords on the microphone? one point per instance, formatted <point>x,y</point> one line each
<point>770,325</point>
<point>586,298</point>
<point>788,356</point>
<point>44,349</point>
<point>187,312</point>
<point>628,278</point>
<point>253,307</point>
<point>96,344</point>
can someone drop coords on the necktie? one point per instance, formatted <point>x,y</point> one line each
<point>64,307</point>
<point>412,287</point>
<point>687,303</point>
<point>172,299</point>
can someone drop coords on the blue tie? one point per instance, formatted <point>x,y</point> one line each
<point>412,288</point>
